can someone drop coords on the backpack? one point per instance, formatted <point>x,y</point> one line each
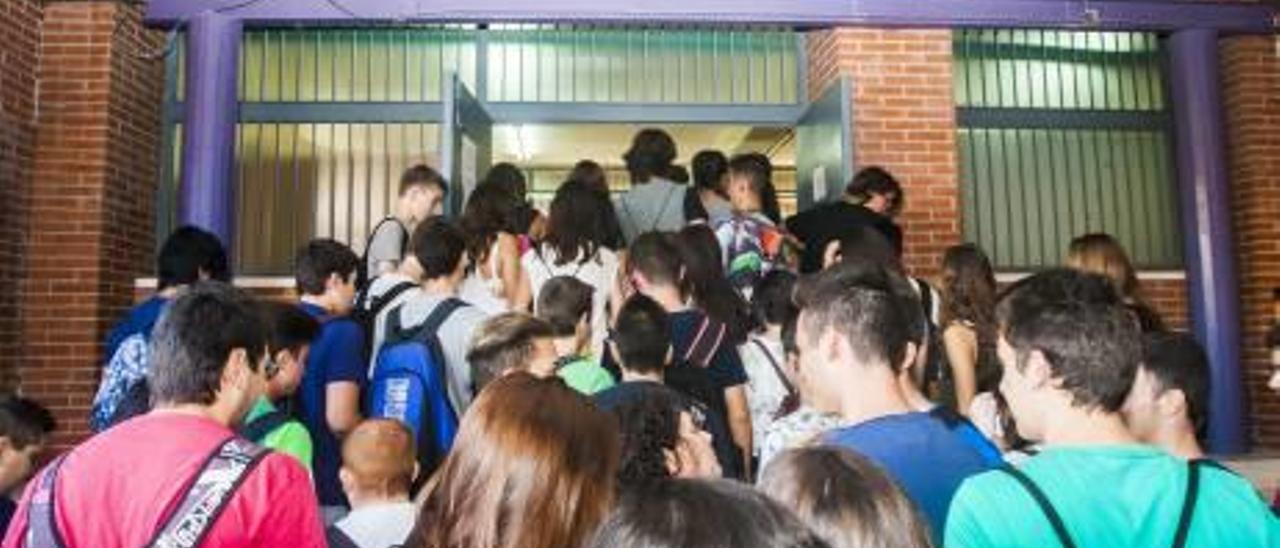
<point>367,309</point>
<point>409,384</point>
<point>124,392</point>
<point>200,506</point>
<point>363,276</point>
<point>750,247</point>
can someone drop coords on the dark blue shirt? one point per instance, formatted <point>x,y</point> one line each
<point>140,319</point>
<point>925,457</point>
<point>336,356</point>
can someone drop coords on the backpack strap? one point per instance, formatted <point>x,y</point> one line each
<point>337,538</point>
<point>207,496</point>
<point>382,301</point>
<point>42,523</point>
<point>441,314</point>
<point>1189,501</point>
<point>258,429</point>
<point>666,202</point>
<point>1042,501</point>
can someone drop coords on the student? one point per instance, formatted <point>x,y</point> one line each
<point>187,256</point>
<point>968,328</point>
<point>565,304</point>
<point>1070,349</point>
<point>336,370</point>
<point>527,223</point>
<point>495,282</point>
<point>591,174</point>
<point>574,247</point>
<point>25,425</point>
<point>291,332</point>
<point>708,289</point>
<point>654,201</point>
<point>534,466</point>
<point>594,177</point>
<point>692,512</point>
<point>771,392</point>
<point>387,292</point>
<point>845,498</point>
<point>860,326</point>
<point>663,436</point>
<point>378,466</point>
<point>1101,254</point>
<point>640,344</point>
<point>870,200</point>
<point>750,241</point>
<point>511,342</point>
<point>1168,403</point>
<point>422,190</point>
<point>710,201</point>
<point>120,487</point>
<point>706,366</point>
<point>440,250</point>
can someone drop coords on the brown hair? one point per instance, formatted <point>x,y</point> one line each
<point>533,465</point>
<point>563,302</point>
<point>845,498</point>
<point>1099,253</point>
<point>503,343</point>
<point>380,456</point>
<point>969,288</point>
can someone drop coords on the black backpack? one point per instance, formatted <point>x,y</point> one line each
<point>363,276</point>
<point>367,309</point>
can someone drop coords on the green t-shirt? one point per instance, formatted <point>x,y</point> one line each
<point>290,438</point>
<point>1120,495</point>
<point>586,376</point>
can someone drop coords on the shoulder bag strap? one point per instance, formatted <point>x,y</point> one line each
<point>258,429</point>
<point>389,297</point>
<point>1188,503</point>
<point>337,538</point>
<point>207,496</point>
<point>1050,512</point>
<point>42,521</point>
<point>777,369</point>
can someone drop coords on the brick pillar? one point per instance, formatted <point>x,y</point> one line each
<point>904,120</point>
<point>1251,93</point>
<point>89,231</point>
<point>19,44</point>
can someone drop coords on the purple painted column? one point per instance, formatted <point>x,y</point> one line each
<point>1204,192</point>
<point>207,191</point>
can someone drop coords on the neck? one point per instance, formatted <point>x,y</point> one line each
<point>213,412</point>
<point>567,346</point>
<point>403,215</point>
<point>359,499</point>
<point>1068,425</point>
<point>317,300</point>
<point>912,395</point>
<point>1180,441</point>
<point>877,395</point>
<point>442,286</point>
<point>633,376</point>
<point>667,297</point>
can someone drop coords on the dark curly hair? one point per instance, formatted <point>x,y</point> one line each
<point>648,423</point>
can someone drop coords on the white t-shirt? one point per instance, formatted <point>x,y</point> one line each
<point>380,525</point>
<point>598,272</point>
<point>485,293</point>
<point>765,390</point>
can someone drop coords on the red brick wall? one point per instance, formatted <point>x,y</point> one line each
<point>90,200</point>
<point>904,120</point>
<point>1251,92</point>
<point>19,39</point>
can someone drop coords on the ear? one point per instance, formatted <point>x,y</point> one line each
<point>335,281</point>
<point>6,445</point>
<point>237,371</point>
<point>1172,403</point>
<point>910,353</point>
<point>672,460</point>
<point>831,254</point>
<point>347,478</point>
<point>1037,370</point>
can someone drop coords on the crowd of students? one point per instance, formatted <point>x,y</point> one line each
<point>678,366</point>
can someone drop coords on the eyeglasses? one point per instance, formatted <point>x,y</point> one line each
<point>270,367</point>
<point>698,413</point>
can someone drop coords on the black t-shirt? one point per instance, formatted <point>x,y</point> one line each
<point>819,225</point>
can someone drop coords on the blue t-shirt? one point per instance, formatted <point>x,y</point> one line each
<point>927,459</point>
<point>140,319</point>
<point>336,356</point>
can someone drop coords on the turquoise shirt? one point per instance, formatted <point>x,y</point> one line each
<point>1119,495</point>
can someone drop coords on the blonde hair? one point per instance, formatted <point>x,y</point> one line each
<point>1101,254</point>
<point>380,456</point>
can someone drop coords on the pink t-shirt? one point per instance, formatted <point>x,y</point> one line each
<point>115,489</point>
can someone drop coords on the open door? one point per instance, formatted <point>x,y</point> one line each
<point>824,146</point>
<point>466,142</point>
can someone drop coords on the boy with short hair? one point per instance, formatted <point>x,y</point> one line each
<point>378,467</point>
<point>1170,396</point>
<point>750,241</point>
<point>565,304</point>
<point>1070,350</point>
<point>336,370</point>
<point>24,427</point>
<point>640,343</point>
<point>508,342</point>
<point>422,190</point>
<point>291,332</point>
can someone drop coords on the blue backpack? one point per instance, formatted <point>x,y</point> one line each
<point>409,384</point>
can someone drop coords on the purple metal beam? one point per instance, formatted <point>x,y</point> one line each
<point>207,191</point>
<point>1101,14</point>
<point>1205,194</point>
